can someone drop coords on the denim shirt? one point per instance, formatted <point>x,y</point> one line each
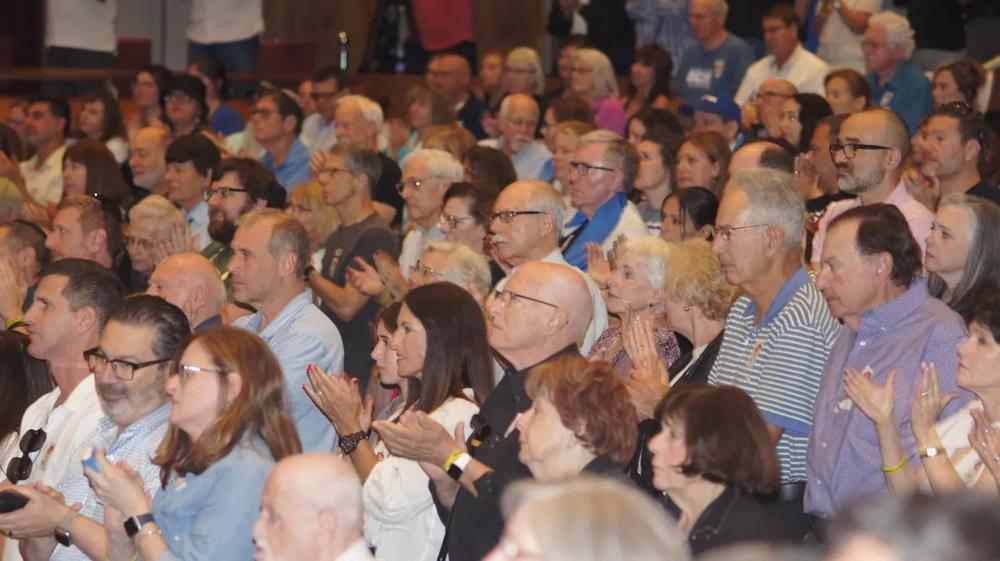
<point>298,336</point>
<point>210,516</point>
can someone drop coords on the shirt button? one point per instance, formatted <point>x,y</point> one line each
<point>823,444</point>
<point>862,343</point>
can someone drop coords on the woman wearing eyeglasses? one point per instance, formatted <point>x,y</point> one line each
<point>228,426</point>
<point>445,371</point>
<point>593,79</point>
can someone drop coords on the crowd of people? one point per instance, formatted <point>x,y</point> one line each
<point>738,302</point>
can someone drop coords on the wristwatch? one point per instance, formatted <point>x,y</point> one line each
<point>348,443</point>
<point>457,468</point>
<point>132,525</point>
<point>62,533</point>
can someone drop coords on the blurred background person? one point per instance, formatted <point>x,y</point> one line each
<point>100,118</point>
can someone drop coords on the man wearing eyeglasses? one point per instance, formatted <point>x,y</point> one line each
<point>318,129</point>
<point>74,299</point>
<point>277,121</point>
<point>129,367</point>
<point>604,167</point>
<point>427,174</point>
<point>778,335</point>
<point>869,155</point>
<point>954,142</point>
<point>518,120</point>
<point>537,317</point>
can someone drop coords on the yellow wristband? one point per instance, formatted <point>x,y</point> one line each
<point>895,468</point>
<point>451,459</point>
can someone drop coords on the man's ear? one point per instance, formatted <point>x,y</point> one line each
<point>95,241</point>
<point>86,319</point>
<point>971,150</point>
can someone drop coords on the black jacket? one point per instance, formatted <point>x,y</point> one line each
<point>732,517</point>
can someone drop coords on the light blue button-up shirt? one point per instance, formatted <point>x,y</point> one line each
<point>210,516</point>
<point>294,170</point>
<point>298,336</point>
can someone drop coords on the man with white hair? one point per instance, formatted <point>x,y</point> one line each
<point>151,219</point>
<point>717,60</point>
<point>427,174</point>
<point>518,120</point>
<point>525,225</point>
<point>190,282</point>
<point>311,508</point>
<point>456,263</point>
<point>896,84</point>
<point>358,120</point>
<point>604,167</point>
<point>147,153</point>
<point>779,334</point>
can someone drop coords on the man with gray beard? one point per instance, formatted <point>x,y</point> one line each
<point>130,367</point>
<point>869,155</point>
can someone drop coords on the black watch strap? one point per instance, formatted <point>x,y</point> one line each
<point>454,472</point>
<point>133,524</point>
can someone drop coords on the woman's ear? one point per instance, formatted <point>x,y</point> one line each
<point>234,385</point>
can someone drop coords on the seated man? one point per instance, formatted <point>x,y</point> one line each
<point>604,167</point>
<point>427,174</point>
<point>870,277</point>
<point>456,263</point>
<point>87,228</point>
<point>767,153</point>
<point>518,121</point>
<point>74,300</point>
<point>46,126</point>
<point>718,114</point>
<point>191,161</point>
<point>311,508</point>
<point>190,282</point>
<point>277,121</point>
<point>130,366</point>
<point>270,256</point>
<point>779,333</point>
<point>147,151</point>
<point>152,219</point>
<point>539,316</point>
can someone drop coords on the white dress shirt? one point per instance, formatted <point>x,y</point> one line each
<point>45,184</point>
<point>803,69</point>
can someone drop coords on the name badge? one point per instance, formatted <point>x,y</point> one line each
<point>886,99</point>
<point>699,78</point>
<point>720,67</point>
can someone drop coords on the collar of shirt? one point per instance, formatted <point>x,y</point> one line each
<point>789,64</point>
<point>199,214</point>
<point>285,316</point>
<point>881,319</point>
<point>52,163</point>
<point>899,81</point>
<point>296,155</point>
<point>788,290</point>
<point>107,428</point>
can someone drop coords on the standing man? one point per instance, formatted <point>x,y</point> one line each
<point>716,62</point>
<point>896,83</point>
<point>450,75</point>
<point>347,177</point>
<point>79,35</point>
<point>228,31</point>
<point>270,256</point>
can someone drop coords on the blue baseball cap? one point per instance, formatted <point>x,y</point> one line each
<point>722,106</point>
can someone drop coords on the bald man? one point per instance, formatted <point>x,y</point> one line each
<point>518,119</point>
<point>190,282</point>
<point>717,60</point>
<point>524,237</point>
<point>147,158</point>
<point>450,75</point>
<point>311,509</point>
<point>538,316</point>
<point>763,153</point>
<point>869,155</point>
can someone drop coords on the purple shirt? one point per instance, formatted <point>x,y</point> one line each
<point>843,461</point>
<point>610,115</point>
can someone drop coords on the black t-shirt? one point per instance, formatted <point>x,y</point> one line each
<point>985,191</point>
<point>385,190</point>
<point>476,522</point>
<point>357,240</point>
<point>471,116</point>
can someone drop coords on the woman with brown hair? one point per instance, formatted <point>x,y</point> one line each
<point>425,108</point>
<point>847,91</point>
<point>228,426</point>
<point>712,454</point>
<point>101,119</point>
<point>702,161</point>
<point>89,167</point>
<point>580,421</point>
<point>958,81</point>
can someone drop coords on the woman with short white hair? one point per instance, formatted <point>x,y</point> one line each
<point>523,73</point>
<point>593,79</point>
<point>151,219</point>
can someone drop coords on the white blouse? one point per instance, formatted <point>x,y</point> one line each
<point>954,433</point>
<point>401,522</point>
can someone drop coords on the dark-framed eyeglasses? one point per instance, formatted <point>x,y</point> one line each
<point>19,469</point>
<point>222,192</point>
<point>583,168</point>
<point>97,361</point>
<point>850,150</point>
<point>264,112</point>
<point>506,297</point>
<point>725,233</point>
<point>508,216</point>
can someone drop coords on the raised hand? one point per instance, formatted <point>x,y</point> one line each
<point>364,278</point>
<point>392,277</point>
<point>928,401</point>
<point>337,397</point>
<point>640,343</point>
<point>179,239</point>
<point>597,264</point>
<point>873,400</point>
<point>985,440</point>
<point>647,388</point>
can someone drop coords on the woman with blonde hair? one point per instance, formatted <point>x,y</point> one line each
<point>523,72</point>
<point>228,426</point>
<point>306,203</point>
<point>593,79</point>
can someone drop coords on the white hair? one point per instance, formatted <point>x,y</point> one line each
<point>601,70</point>
<point>440,164</point>
<point>653,256</point>
<point>504,110</point>
<point>371,112</point>
<point>466,266</point>
<point>897,31</point>
<point>526,56</point>
<point>595,519</point>
<point>771,200</point>
<point>158,209</point>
